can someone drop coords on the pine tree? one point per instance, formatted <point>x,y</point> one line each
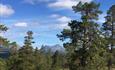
<point>37,59</point>
<point>48,59</point>
<point>26,54</point>
<point>109,31</point>
<point>13,62</point>
<point>56,64</point>
<point>3,41</point>
<point>3,28</point>
<point>86,44</point>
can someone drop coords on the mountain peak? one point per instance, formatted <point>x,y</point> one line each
<point>52,48</point>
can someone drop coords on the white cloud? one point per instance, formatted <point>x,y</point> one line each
<point>64,19</point>
<point>101,18</point>
<point>55,16</point>
<point>66,3</point>
<point>62,4</point>
<point>6,10</point>
<point>60,18</point>
<point>35,1</point>
<point>62,22</point>
<point>62,26</point>
<point>21,24</point>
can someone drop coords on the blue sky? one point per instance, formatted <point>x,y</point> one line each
<point>45,18</point>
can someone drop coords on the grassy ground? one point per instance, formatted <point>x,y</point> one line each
<point>68,69</point>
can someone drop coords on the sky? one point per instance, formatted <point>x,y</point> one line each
<point>46,18</point>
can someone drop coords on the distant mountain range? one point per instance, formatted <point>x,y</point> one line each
<point>4,52</point>
<point>53,49</point>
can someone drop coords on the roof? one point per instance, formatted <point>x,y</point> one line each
<point>4,52</point>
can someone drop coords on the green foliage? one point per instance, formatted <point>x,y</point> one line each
<point>26,53</point>
<point>56,61</point>
<point>13,62</point>
<point>23,60</point>
<point>3,28</point>
<point>109,33</point>
<point>3,41</point>
<point>86,48</point>
<point>42,61</point>
<point>3,64</point>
